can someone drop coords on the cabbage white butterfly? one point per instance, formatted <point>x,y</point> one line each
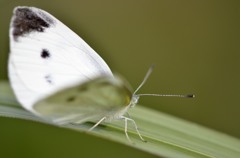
<point>58,76</point>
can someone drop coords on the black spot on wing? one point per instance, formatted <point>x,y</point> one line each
<point>45,54</point>
<point>105,83</point>
<point>49,79</point>
<point>27,19</point>
<point>71,99</point>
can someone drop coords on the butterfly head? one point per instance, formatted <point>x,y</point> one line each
<point>134,101</point>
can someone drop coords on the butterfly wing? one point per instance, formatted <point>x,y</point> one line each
<point>102,97</point>
<point>46,56</point>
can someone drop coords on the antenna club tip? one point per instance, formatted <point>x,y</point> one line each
<point>153,65</point>
<point>190,96</point>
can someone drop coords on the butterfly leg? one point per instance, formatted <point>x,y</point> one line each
<point>97,123</point>
<point>126,126</point>
<point>135,125</point>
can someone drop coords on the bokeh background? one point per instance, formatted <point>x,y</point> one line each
<point>195,46</point>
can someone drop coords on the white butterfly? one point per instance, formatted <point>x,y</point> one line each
<point>58,76</point>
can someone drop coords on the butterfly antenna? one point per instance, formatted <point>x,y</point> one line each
<point>145,78</point>
<point>159,95</point>
<point>169,95</point>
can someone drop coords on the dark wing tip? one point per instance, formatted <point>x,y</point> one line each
<point>28,19</point>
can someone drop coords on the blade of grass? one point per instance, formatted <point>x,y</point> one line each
<point>167,136</point>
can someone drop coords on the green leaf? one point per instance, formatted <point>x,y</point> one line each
<point>166,136</point>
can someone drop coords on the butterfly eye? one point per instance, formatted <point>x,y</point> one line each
<point>45,54</point>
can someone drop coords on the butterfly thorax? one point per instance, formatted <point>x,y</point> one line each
<point>117,113</point>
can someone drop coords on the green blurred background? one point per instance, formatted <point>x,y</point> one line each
<point>194,44</point>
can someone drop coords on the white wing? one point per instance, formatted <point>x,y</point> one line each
<point>90,101</point>
<point>46,56</point>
